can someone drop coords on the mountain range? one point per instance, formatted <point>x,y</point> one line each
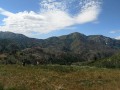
<point>75,47</point>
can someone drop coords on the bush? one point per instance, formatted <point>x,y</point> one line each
<point>1,86</point>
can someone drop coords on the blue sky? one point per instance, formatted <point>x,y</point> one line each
<point>46,18</point>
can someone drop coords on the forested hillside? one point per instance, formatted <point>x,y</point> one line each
<point>66,49</point>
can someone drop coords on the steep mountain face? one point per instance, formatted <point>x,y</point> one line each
<point>10,41</point>
<point>88,47</point>
<point>71,48</point>
<point>78,43</point>
<point>102,40</point>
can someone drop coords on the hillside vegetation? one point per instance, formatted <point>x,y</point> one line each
<point>110,62</point>
<point>63,50</point>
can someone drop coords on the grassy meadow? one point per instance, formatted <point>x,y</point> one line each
<point>56,77</point>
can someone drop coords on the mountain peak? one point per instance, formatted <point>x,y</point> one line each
<point>73,35</point>
<point>77,34</point>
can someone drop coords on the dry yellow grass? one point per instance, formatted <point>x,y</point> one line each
<point>13,77</point>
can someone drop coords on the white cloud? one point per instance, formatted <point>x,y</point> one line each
<point>87,15</point>
<point>52,16</point>
<point>114,31</point>
<point>89,12</point>
<point>118,38</point>
<point>4,12</point>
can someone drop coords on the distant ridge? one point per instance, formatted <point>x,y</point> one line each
<point>74,42</point>
<point>74,47</point>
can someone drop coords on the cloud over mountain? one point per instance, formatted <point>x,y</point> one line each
<point>118,38</point>
<point>53,15</point>
<point>114,31</point>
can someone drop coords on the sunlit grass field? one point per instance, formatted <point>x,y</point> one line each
<point>56,77</point>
